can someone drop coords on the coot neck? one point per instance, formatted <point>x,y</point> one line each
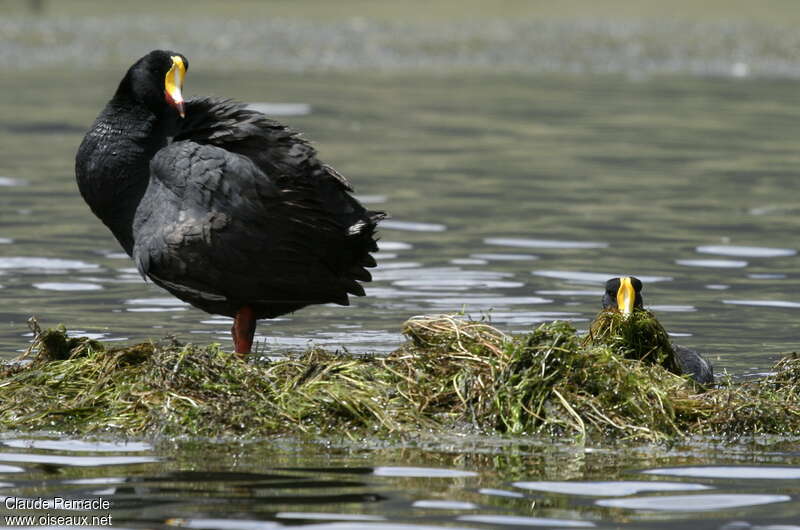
<point>113,162</point>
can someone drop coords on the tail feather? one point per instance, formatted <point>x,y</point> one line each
<point>368,261</point>
<point>362,241</point>
<point>353,287</point>
<point>359,273</point>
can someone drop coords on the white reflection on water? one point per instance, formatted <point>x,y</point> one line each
<point>468,261</point>
<point>45,264</point>
<point>117,255</point>
<point>356,342</point>
<point>80,461</point>
<point>735,472</point>
<point>280,109</point>
<point>487,302</point>
<point>78,445</point>
<point>505,257</point>
<point>763,303</point>
<point>97,481</point>
<point>154,309</point>
<point>713,263</point>
<point>436,274</point>
<point>411,226</point>
<point>746,252</point>
<point>371,199</point>
<point>501,493</point>
<point>692,503</point>
<point>397,265</point>
<point>542,243</point>
<point>533,317</point>
<point>327,516</point>
<point>67,286</point>
<point>390,292</point>
<point>393,245</point>
<point>430,472</point>
<point>456,284</point>
<point>8,181</point>
<point>608,488</point>
<point>594,277</point>
<point>223,524</point>
<point>522,521</point>
<point>380,526</point>
<point>673,308</point>
<point>438,504</point>
<point>165,301</point>
<point>570,292</point>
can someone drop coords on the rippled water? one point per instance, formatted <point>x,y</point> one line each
<point>492,483</point>
<point>514,196</point>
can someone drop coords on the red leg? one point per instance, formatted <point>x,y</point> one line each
<point>244,327</point>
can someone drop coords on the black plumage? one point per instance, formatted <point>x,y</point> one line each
<point>225,208</point>
<point>690,361</point>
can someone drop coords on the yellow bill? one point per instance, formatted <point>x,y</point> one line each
<point>173,83</point>
<point>626,296</point>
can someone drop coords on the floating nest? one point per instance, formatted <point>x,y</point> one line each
<point>453,374</point>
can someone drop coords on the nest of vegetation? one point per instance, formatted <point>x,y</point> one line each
<point>453,374</point>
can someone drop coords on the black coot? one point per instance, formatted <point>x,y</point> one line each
<point>223,207</point>
<point>625,295</point>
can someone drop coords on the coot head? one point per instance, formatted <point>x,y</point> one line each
<point>156,80</point>
<point>623,294</point>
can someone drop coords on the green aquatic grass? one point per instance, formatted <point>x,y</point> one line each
<point>453,375</point>
<point>640,336</point>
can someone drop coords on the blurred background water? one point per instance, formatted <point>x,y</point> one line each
<point>527,152</point>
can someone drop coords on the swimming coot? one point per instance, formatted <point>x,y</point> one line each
<point>625,294</point>
<point>223,207</point>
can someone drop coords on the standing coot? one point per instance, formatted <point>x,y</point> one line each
<point>223,207</point>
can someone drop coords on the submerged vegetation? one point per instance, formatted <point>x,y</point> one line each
<point>452,374</point>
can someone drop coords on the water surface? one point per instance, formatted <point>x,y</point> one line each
<point>448,483</point>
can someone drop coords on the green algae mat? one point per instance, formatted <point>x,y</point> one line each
<point>453,375</point>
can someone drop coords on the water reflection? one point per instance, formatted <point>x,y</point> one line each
<point>261,485</point>
<point>67,286</point>
<point>692,503</point>
<point>595,277</point>
<point>412,226</point>
<point>504,257</point>
<point>8,181</point>
<point>281,109</point>
<point>425,472</point>
<point>608,489</point>
<point>51,265</point>
<point>542,243</point>
<point>92,461</point>
<point>730,472</point>
<point>712,263</point>
<point>518,521</point>
<point>763,303</point>
<point>746,252</point>
<point>444,505</point>
<point>76,445</point>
